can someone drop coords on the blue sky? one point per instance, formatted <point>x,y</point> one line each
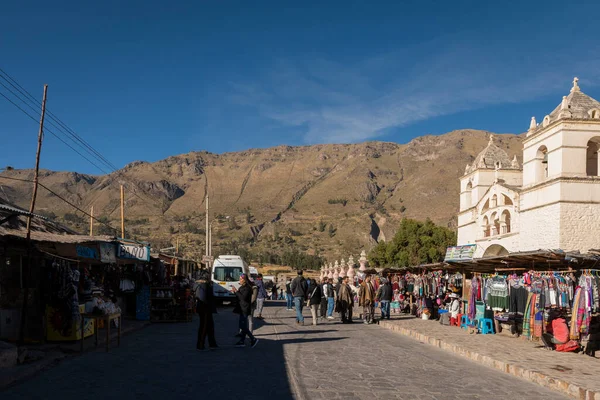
<point>150,79</point>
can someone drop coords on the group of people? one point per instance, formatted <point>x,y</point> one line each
<point>250,299</point>
<point>323,298</point>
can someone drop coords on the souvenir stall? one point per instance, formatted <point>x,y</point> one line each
<point>536,295</point>
<point>420,290</point>
<point>171,297</point>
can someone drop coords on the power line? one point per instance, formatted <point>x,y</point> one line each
<point>70,133</point>
<point>61,198</point>
<point>11,81</point>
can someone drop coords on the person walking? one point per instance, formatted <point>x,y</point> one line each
<point>345,301</point>
<point>244,308</point>
<point>262,296</point>
<point>384,296</point>
<point>274,292</point>
<point>300,292</point>
<point>323,310</point>
<point>329,293</point>
<point>205,307</point>
<point>314,301</point>
<point>366,299</point>
<point>288,294</point>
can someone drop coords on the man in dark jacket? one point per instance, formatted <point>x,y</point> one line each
<point>244,308</point>
<point>300,293</point>
<point>205,306</point>
<point>384,296</point>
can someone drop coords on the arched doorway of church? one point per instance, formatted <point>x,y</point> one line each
<point>495,250</point>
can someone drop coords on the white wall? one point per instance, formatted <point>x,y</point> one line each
<point>540,228</point>
<point>579,227</point>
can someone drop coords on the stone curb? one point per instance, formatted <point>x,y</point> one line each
<point>531,375</point>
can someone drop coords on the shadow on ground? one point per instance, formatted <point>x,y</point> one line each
<point>161,362</point>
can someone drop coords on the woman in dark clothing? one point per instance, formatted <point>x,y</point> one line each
<point>244,308</point>
<point>314,300</point>
<point>274,292</point>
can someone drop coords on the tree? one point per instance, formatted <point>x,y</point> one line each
<point>332,230</point>
<point>322,226</point>
<point>249,217</point>
<point>415,243</point>
<point>233,225</point>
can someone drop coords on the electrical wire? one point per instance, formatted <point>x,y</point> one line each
<point>61,198</point>
<point>69,132</point>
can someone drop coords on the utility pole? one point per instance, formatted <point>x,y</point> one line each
<point>31,209</point>
<point>37,163</point>
<point>92,221</point>
<point>207,231</point>
<point>122,213</point>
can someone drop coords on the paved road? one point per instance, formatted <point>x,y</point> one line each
<point>329,361</point>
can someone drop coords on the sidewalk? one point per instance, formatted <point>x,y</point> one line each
<point>42,357</point>
<point>572,374</point>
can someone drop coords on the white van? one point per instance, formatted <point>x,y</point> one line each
<point>226,273</point>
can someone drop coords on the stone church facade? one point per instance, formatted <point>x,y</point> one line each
<point>551,200</point>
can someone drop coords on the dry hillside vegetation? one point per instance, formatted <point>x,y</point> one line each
<point>329,199</point>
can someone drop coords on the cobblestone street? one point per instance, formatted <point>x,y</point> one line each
<point>324,362</point>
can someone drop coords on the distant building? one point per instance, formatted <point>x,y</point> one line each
<point>552,200</point>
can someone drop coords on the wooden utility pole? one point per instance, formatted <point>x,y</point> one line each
<point>92,221</point>
<point>207,230</point>
<point>37,163</point>
<point>122,213</point>
<point>31,209</point>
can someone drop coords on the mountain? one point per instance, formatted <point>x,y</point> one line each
<point>332,199</point>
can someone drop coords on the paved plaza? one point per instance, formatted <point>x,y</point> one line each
<point>329,361</point>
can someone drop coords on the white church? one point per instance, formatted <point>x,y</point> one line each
<point>552,200</point>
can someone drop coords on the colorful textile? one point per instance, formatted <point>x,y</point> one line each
<point>526,317</point>
<point>538,322</point>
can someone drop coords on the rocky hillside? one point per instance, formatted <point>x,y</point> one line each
<point>332,199</point>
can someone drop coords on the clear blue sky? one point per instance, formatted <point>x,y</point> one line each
<point>143,80</point>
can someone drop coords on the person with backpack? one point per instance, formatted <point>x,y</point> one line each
<point>323,310</point>
<point>205,307</point>
<point>300,292</point>
<point>262,296</point>
<point>384,296</point>
<point>329,293</point>
<point>288,294</point>
<point>244,309</point>
<point>314,301</point>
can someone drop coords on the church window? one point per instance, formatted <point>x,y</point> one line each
<point>494,202</point>
<point>541,164</point>
<point>592,162</point>
<point>494,224</point>
<point>468,201</point>
<point>505,222</point>
<point>486,227</point>
<point>594,113</point>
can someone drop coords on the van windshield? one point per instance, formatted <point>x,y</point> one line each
<point>228,274</point>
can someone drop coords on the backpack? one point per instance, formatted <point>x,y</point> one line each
<point>254,294</point>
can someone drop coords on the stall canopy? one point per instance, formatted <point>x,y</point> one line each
<point>531,260</point>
